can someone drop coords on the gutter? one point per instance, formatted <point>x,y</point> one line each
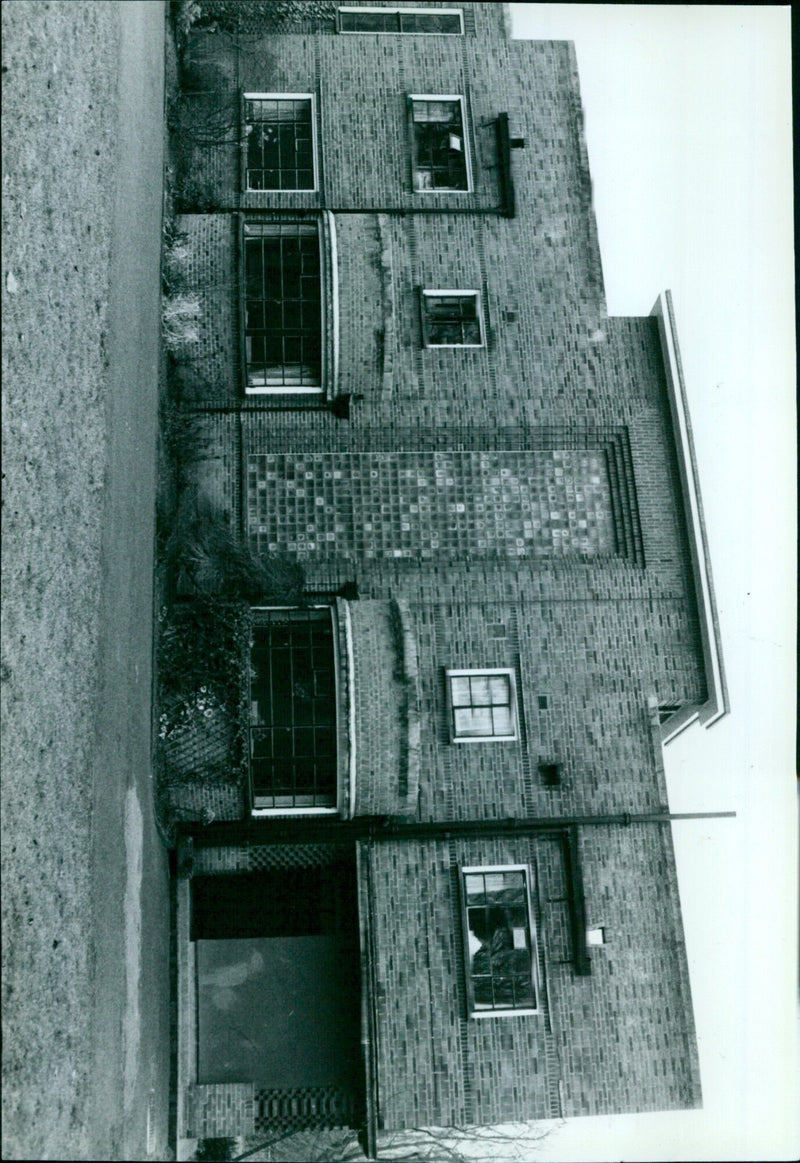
<point>716,704</point>
<point>369,1022</point>
<point>330,829</point>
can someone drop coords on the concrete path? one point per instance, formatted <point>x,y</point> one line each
<point>130,883</point>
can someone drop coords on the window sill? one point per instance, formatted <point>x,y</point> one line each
<point>484,738</point>
<point>505,1013</point>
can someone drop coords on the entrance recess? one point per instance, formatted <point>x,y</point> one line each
<point>279,990</point>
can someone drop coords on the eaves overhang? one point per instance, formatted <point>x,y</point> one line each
<point>716,703</point>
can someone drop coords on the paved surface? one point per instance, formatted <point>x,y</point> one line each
<point>130,899</point>
<point>85,904</point>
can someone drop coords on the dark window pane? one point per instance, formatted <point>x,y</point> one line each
<point>440,161</point>
<point>305,776</point>
<point>368,22</point>
<point>253,267</point>
<point>499,939</point>
<point>282,275</point>
<point>454,320</point>
<point>294,763</point>
<point>282,742</point>
<point>279,145</point>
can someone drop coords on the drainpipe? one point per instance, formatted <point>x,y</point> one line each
<point>377,828</point>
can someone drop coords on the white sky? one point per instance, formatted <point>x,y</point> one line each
<point>688,119</point>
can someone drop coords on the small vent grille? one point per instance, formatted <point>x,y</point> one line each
<point>550,774</point>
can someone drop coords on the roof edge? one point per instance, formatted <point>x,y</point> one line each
<point>716,704</point>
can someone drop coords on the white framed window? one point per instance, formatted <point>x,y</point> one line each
<point>441,159</point>
<point>428,21</point>
<point>293,716</point>
<point>282,308</point>
<point>500,948</point>
<point>482,705</point>
<point>280,142</point>
<point>452,319</point>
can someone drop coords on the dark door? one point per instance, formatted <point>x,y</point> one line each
<point>279,989</point>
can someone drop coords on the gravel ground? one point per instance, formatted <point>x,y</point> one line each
<point>61,140</point>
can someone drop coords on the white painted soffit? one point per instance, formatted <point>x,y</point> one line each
<point>716,704</point>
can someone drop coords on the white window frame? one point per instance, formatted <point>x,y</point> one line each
<point>314,157</point>
<point>465,138</point>
<point>400,31</point>
<point>506,672</point>
<point>527,869</point>
<point>283,388</point>
<point>334,809</point>
<point>462,294</point>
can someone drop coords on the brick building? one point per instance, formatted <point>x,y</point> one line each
<point>451,856</point>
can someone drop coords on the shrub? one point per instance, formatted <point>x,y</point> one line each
<point>176,261</point>
<point>203,556</point>
<point>185,13</point>
<point>269,15</point>
<point>203,649</point>
<point>211,1150</point>
<point>180,317</point>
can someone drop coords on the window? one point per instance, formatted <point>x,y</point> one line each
<point>452,319</point>
<point>293,756</point>
<point>482,705</point>
<point>499,940</point>
<point>440,144</point>
<point>448,20</point>
<point>279,137</point>
<point>282,308</point>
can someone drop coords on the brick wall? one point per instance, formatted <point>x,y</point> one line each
<point>208,368</point>
<point>618,1040</point>
<point>385,701</point>
<point>220,1109</point>
<point>590,635</point>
